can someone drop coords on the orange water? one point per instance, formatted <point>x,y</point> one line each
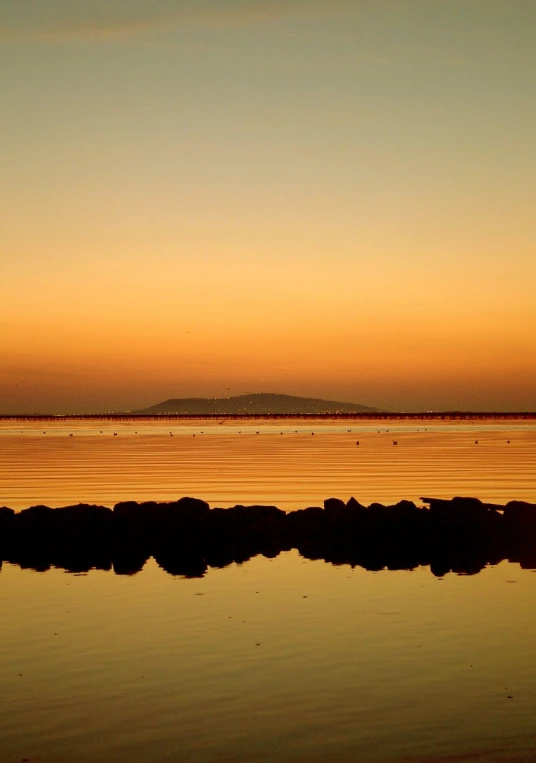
<point>228,464</point>
<point>277,660</point>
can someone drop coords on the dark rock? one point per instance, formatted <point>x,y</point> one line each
<point>305,522</point>
<point>354,505</point>
<point>82,522</point>
<point>185,537</point>
<point>128,560</point>
<point>7,518</point>
<point>188,566</point>
<point>520,513</point>
<point>36,520</point>
<point>334,505</point>
<point>458,509</point>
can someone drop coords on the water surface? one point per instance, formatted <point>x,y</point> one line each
<point>281,659</point>
<point>275,660</point>
<point>230,463</point>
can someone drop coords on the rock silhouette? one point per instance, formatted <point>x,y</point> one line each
<point>187,537</point>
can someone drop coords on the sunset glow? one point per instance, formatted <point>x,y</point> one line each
<point>333,199</point>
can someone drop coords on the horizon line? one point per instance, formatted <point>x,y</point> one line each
<point>381,414</point>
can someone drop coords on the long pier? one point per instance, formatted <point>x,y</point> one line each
<point>383,416</point>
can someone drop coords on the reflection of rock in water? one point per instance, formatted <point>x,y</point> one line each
<point>186,537</point>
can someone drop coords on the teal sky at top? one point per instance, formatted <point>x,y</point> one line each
<point>339,106</point>
<point>395,135</point>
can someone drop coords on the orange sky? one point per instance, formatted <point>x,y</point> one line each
<point>323,199</point>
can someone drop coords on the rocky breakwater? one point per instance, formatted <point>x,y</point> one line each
<point>186,537</point>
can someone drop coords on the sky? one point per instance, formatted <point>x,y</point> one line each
<point>323,198</point>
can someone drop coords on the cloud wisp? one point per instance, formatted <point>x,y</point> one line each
<point>56,27</point>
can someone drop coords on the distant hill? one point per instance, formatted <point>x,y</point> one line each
<point>261,403</point>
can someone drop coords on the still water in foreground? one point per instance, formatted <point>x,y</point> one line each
<point>281,659</point>
<point>273,660</point>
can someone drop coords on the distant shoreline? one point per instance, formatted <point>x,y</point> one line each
<point>366,416</point>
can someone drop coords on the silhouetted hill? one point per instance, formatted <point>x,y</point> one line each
<point>261,403</point>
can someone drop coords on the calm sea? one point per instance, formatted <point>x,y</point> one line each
<point>281,463</point>
<point>281,659</point>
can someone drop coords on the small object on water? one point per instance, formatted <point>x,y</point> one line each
<point>115,434</point>
<point>476,442</point>
<point>70,435</point>
<point>507,442</point>
<point>357,442</point>
<point>395,442</point>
